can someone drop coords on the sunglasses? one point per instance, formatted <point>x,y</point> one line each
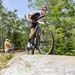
<point>44,9</point>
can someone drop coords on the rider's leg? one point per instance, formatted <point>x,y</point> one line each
<point>31,35</point>
<point>32,32</point>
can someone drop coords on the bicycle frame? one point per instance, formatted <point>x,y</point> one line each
<point>36,35</point>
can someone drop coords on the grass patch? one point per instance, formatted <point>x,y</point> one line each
<point>64,52</point>
<point>4,58</point>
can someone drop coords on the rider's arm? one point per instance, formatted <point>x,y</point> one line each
<point>41,22</point>
<point>28,17</point>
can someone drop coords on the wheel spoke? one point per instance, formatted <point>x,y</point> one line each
<point>46,41</point>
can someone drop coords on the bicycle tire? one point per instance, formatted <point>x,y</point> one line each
<point>43,38</point>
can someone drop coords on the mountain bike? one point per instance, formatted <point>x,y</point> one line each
<point>42,41</point>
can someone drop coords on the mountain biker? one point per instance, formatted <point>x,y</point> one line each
<point>33,18</point>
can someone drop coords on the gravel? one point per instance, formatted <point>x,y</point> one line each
<point>40,65</point>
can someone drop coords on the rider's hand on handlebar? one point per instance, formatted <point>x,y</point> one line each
<point>46,22</point>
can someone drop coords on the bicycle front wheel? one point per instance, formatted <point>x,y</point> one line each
<point>46,41</point>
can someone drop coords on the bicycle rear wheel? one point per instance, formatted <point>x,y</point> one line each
<point>46,41</point>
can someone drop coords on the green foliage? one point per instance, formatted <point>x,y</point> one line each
<point>61,15</point>
<point>4,58</point>
<point>11,27</point>
<point>29,0</point>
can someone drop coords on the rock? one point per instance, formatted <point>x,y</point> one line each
<point>39,65</point>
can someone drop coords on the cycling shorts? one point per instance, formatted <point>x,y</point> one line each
<point>33,25</point>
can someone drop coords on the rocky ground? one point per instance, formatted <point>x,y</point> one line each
<point>23,64</point>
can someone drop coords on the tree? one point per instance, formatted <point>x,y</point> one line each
<point>61,16</point>
<point>10,25</point>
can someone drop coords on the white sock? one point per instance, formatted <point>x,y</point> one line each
<point>28,45</point>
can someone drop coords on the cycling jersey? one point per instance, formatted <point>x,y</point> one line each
<point>35,17</point>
